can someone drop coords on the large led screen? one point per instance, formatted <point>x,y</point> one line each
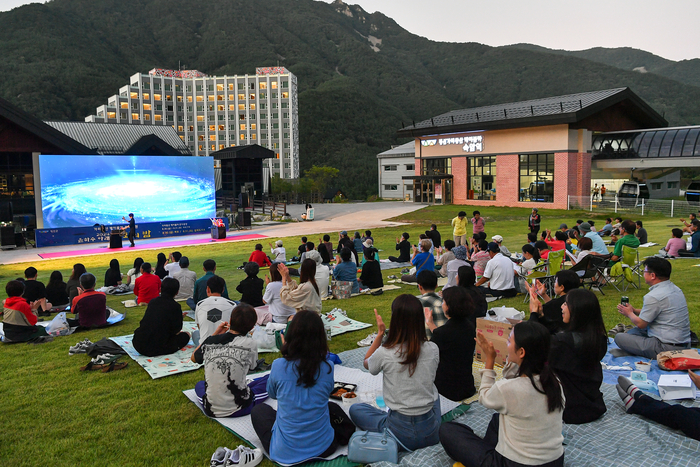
<point>86,190</point>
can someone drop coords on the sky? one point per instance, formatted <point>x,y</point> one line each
<point>668,29</point>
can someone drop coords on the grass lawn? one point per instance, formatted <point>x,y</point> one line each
<point>54,413</point>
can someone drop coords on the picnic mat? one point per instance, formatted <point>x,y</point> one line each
<point>385,288</point>
<point>163,365</point>
<point>114,318</point>
<point>442,281</point>
<point>386,264</point>
<point>366,382</point>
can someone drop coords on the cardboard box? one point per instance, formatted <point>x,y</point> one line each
<point>497,333</point>
<point>673,387</point>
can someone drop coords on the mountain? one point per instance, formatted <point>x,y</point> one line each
<point>360,75</point>
<point>627,58</point>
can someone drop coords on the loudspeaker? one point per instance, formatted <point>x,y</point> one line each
<point>6,211</point>
<point>7,236</point>
<point>243,201</point>
<point>244,219</point>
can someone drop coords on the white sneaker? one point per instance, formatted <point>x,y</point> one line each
<point>220,456</point>
<point>367,340</point>
<point>244,456</point>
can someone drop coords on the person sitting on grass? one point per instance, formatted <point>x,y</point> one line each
<point>35,291</point>
<point>675,243</point>
<point>160,266</point>
<point>466,278</point>
<point>279,254</point>
<point>446,255</point>
<point>371,276</point>
<point>687,224</point>
<point>160,330</point>
<point>147,286</point>
<point>607,228</point>
<point>186,278</point>
<point>113,275</point>
<point>694,241</point>
<point>499,240</point>
<point>357,243</point>
<point>527,426</point>
<point>74,281</point>
<point>499,274</point>
<point>259,257</point>
<point>455,340</point>
<point>212,310</point>
<point>346,269</point>
<point>404,248</point>
<point>576,354</point>
<point>279,311</point>
<point>408,363</point>
<point>549,314</point>
<point>480,257</point>
<point>323,272</point>
<point>200,287</point>
<point>56,292</point>
<point>90,306</point>
<point>628,239</point>
<point>431,301</point>
<point>304,295</point>
<point>305,425</point>
<point>423,260</point>
<point>173,264</point>
<point>228,355</point>
<point>19,317</point>
<point>251,288</point>
<point>134,273</point>
<point>641,233</point>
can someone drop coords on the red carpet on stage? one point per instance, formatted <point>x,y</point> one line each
<point>149,246</point>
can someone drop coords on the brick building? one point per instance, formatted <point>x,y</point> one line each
<point>527,154</point>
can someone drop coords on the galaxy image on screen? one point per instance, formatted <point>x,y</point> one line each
<point>86,190</point>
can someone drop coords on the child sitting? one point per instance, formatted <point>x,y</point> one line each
<point>19,319</point>
<point>251,288</point>
<point>228,355</point>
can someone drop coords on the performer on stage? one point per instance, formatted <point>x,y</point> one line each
<point>132,228</point>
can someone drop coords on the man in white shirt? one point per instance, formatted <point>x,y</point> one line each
<point>212,310</point>
<point>279,254</point>
<point>498,273</point>
<point>173,264</point>
<point>186,278</point>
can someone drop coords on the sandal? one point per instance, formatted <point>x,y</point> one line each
<point>114,366</point>
<point>95,366</point>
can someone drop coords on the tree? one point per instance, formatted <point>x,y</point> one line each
<point>321,176</point>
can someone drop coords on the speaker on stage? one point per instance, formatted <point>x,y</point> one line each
<point>6,211</point>
<point>244,219</point>
<point>7,236</point>
<point>243,200</point>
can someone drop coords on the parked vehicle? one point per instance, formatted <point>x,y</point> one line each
<point>692,193</point>
<point>631,193</point>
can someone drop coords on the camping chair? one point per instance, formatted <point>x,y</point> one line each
<point>539,271</point>
<point>622,274</point>
<point>555,262</point>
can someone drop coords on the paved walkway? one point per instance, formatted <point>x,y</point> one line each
<point>327,218</point>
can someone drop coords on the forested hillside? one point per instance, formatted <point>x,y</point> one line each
<point>360,75</point>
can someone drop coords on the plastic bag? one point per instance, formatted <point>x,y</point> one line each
<point>686,359</point>
<point>262,339</point>
<point>59,326</point>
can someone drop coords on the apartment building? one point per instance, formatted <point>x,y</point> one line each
<point>211,113</point>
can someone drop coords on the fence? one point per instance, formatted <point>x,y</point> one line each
<point>641,206</point>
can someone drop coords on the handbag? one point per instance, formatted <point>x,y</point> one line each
<point>366,447</point>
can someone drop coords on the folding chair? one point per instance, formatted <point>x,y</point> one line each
<point>539,271</point>
<point>555,262</point>
<point>593,268</point>
<point>630,260</point>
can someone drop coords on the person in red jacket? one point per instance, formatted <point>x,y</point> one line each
<point>147,286</point>
<point>259,257</point>
<point>20,317</point>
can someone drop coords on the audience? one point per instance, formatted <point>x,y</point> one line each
<point>278,252</point>
<point>19,319</point>
<point>628,239</point>
<point>687,224</point>
<point>663,322</point>
<point>259,257</point>
<point>186,279</point>
<point>371,276</point>
<point>694,241</point>
<point>90,306</point>
<point>346,269</point>
<point>404,248</point>
<point>280,312</point>
<point>74,281</point>
<point>147,286</point>
<point>422,261</point>
<point>358,247</point>
<point>323,272</point>
<point>576,354</point>
<point>326,243</point>
<point>305,425</point>
<point>200,286</point>
<point>325,253</point>
<point>431,301</point>
<point>134,273</point>
<point>160,330</point>
<point>35,291</point>
<point>345,242</point>
<point>455,341</point>
<point>542,248</point>
<point>251,288</point>
<point>460,260</point>
<point>641,233</point>
<point>408,363</point>
<point>445,257</point>
<point>302,248</point>
<point>499,274</point>
<point>480,258</point>
<point>466,278</point>
<point>598,243</point>
<point>675,243</point>
<point>499,240</point>
<point>228,354</point>
<point>302,296</point>
<point>160,266</point>
<point>173,264</point>
<point>56,292</point>
<point>212,310</point>
<point>549,314</point>
<point>527,426</point>
<point>113,275</point>
<point>434,236</point>
<point>607,228</point>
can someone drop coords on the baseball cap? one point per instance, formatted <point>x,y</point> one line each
<point>493,246</point>
<point>344,232</point>
<point>563,226</point>
<point>497,238</point>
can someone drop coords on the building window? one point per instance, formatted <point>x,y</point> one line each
<point>189,98</point>
<point>253,126</point>
<point>219,87</point>
<point>263,106</point>
<point>252,86</point>
<point>284,105</point>
<point>263,116</point>
<point>170,108</point>
<point>285,84</point>
<point>274,105</point>
<point>285,135</point>
<point>671,185</point>
<point>210,87</point>
<point>222,127</point>
<point>159,106</point>
<point>273,84</point>
<point>537,177</point>
<point>230,88</point>
<point>286,165</point>
<point>146,84</point>
<point>211,97</point>
<point>275,115</point>
<point>390,168</point>
<point>134,116</point>
<point>200,137</point>
<point>241,106</point>
<point>242,125</point>
<point>200,118</point>
<point>156,97</point>
<point>391,187</point>
<point>241,116</point>
<point>220,108</point>
<point>134,95</point>
<point>262,85</point>
<point>111,115</point>
<point>252,106</point>
<point>200,98</point>
<point>242,136</point>
<point>146,96</point>
<point>212,137</point>
<point>656,186</point>
<point>213,147</point>
<point>122,115</point>
<point>180,128</point>
<point>253,136</point>
<point>411,167</point>
<point>124,105</point>
<point>285,95</point>
<point>168,97</point>
<point>285,125</point>
<point>199,88</point>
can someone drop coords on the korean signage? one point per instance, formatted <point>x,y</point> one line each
<point>468,143</point>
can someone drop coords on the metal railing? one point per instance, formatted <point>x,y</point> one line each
<point>641,206</point>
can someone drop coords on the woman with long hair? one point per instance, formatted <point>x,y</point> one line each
<point>466,278</point>
<point>134,273</point>
<point>113,276</point>
<point>74,281</point>
<point>576,354</point>
<point>280,312</point>
<point>56,292</point>
<point>160,266</point>
<point>408,363</point>
<point>306,425</point>
<point>549,314</point>
<point>527,426</point>
<point>302,296</point>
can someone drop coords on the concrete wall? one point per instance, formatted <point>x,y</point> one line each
<point>393,177</point>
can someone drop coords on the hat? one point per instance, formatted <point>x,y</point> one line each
<point>493,247</point>
<point>279,243</point>
<point>367,243</point>
<point>460,252</point>
<point>314,255</point>
<point>585,227</point>
<point>344,232</point>
<point>497,238</point>
<point>563,226</point>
